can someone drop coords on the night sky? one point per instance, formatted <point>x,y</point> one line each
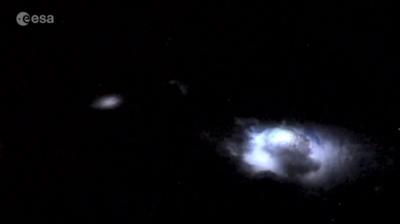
<point>185,72</point>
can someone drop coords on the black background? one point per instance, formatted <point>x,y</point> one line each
<point>154,159</point>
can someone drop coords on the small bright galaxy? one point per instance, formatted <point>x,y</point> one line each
<point>307,154</point>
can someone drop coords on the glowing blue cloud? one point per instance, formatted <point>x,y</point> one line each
<point>296,153</point>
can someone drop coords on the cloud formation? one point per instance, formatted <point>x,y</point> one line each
<point>304,153</point>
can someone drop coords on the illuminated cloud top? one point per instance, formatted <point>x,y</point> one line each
<point>308,154</point>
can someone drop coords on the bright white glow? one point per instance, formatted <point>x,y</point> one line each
<point>257,156</point>
<point>258,140</point>
<point>281,136</point>
<point>259,160</point>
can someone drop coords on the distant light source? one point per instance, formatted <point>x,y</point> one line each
<point>107,102</point>
<point>182,87</point>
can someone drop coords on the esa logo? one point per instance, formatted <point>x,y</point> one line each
<point>23,19</point>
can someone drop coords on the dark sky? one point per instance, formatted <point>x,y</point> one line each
<point>154,158</point>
